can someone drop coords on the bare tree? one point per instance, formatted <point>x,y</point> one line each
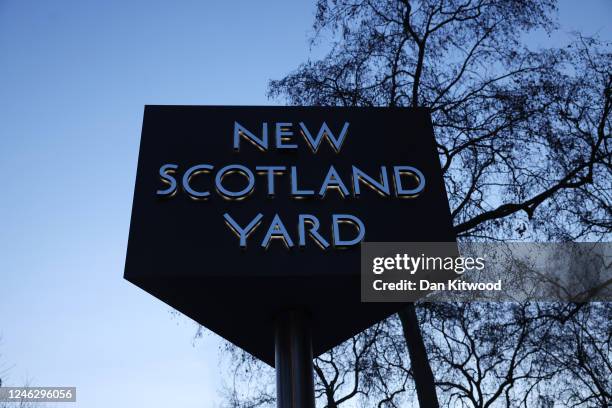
<point>579,345</point>
<point>523,137</point>
<point>486,356</point>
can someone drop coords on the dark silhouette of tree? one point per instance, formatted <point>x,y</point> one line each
<point>489,356</point>
<point>578,342</point>
<point>524,143</point>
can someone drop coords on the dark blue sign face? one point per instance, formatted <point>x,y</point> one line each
<point>242,212</point>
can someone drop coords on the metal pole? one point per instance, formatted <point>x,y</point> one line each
<point>293,361</point>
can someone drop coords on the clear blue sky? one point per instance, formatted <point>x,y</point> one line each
<point>74,77</point>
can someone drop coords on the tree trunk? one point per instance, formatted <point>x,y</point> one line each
<point>423,376</point>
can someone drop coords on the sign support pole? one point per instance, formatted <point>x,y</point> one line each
<point>293,361</point>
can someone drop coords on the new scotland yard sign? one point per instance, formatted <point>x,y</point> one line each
<point>241,212</point>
